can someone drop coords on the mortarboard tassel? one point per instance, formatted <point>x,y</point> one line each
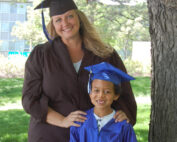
<point>89,82</point>
<point>44,27</point>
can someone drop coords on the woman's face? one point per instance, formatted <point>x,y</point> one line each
<point>67,25</point>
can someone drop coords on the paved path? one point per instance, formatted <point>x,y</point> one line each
<point>139,100</point>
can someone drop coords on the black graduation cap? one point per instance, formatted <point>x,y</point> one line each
<point>56,7</point>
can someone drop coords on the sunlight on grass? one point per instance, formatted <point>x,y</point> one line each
<point>14,126</point>
<point>14,122</point>
<point>142,125</point>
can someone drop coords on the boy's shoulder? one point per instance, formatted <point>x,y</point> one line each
<point>121,126</point>
<point>82,124</point>
<point>123,123</point>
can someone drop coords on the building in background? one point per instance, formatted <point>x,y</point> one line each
<point>10,12</point>
<point>141,53</point>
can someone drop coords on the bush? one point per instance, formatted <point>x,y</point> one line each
<point>136,68</point>
<point>12,66</point>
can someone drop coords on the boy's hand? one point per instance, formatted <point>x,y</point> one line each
<point>70,120</point>
<point>120,116</point>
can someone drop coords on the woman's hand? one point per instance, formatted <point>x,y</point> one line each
<point>120,116</point>
<point>72,117</point>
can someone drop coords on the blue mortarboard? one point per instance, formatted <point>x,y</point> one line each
<point>107,72</point>
<point>56,7</point>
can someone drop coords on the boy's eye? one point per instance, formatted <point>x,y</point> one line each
<point>107,91</point>
<point>95,90</point>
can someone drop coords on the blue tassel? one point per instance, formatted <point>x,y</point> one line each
<point>44,28</point>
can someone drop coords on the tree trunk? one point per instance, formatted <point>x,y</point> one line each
<point>163,32</point>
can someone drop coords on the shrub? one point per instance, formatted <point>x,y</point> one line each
<point>12,66</point>
<point>136,68</point>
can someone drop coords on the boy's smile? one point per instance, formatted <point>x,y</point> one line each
<point>102,95</point>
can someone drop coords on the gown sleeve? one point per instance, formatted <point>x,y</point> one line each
<point>129,134</point>
<point>34,101</point>
<point>126,101</point>
<point>74,135</point>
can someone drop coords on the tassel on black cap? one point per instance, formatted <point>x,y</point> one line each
<point>56,7</point>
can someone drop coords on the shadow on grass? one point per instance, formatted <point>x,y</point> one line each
<point>10,90</point>
<point>142,135</point>
<point>141,86</point>
<point>14,126</point>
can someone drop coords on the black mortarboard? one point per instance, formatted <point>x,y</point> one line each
<point>56,7</point>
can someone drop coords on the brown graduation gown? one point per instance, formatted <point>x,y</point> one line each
<point>51,80</point>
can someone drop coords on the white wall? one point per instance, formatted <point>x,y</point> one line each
<point>141,52</point>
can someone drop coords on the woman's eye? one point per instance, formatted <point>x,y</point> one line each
<point>70,16</point>
<point>58,20</point>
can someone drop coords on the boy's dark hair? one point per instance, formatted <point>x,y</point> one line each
<point>117,89</point>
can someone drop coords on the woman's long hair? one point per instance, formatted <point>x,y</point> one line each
<point>90,37</point>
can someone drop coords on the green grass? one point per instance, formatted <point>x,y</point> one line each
<point>13,126</point>
<point>14,123</point>
<point>141,86</point>
<point>10,91</point>
<point>142,125</point>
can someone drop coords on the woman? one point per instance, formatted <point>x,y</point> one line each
<point>55,84</point>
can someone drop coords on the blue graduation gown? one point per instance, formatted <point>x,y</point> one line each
<point>111,132</point>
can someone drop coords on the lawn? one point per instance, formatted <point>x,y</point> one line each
<point>14,122</point>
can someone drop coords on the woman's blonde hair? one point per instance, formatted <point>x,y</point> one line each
<point>90,37</point>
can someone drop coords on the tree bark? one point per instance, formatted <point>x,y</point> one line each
<point>163,32</point>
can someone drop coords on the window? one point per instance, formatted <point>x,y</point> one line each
<point>4,17</point>
<point>4,27</point>
<point>21,8</point>
<point>11,46</point>
<point>19,45</point>
<point>4,36</point>
<point>4,46</point>
<point>21,17</point>
<point>5,7</point>
<point>13,17</point>
<point>13,8</point>
<point>11,24</point>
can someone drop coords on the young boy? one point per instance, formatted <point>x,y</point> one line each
<point>104,88</point>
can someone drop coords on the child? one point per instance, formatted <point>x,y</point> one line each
<point>104,88</point>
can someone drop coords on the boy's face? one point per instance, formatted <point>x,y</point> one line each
<point>102,94</point>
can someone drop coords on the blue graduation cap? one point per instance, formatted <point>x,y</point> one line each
<point>107,72</point>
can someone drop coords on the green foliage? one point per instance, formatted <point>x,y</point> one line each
<point>136,68</point>
<point>118,25</point>
<point>31,30</point>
